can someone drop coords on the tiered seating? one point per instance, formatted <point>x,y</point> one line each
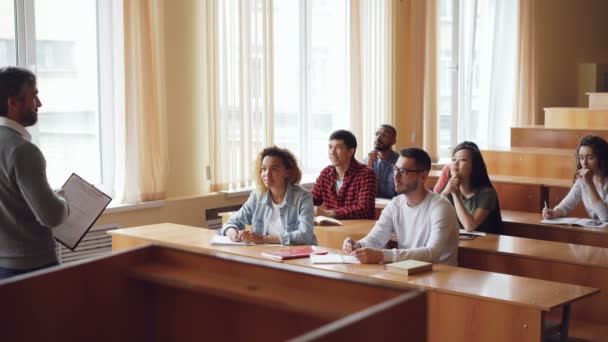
<point>541,163</point>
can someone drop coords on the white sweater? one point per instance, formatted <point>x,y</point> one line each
<point>578,192</point>
<point>427,232</point>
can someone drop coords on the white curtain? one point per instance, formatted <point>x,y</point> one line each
<point>142,158</point>
<point>371,69</point>
<point>488,67</point>
<point>241,95</point>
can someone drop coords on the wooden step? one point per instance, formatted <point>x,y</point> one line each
<point>531,162</point>
<point>540,136</point>
<point>598,100</point>
<point>581,118</point>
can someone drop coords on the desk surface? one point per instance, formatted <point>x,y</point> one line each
<point>527,292</point>
<point>540,249</point>
<point>533,219</point>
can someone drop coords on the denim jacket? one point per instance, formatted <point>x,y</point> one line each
<point>297,215</point>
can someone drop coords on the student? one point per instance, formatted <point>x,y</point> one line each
<point>424,222</point>
<point>346,188</point>
<point>471,192</point>
<point>29,208</point>
<point>590,181</point>
<point>382,159</point>
<point>279,210</point>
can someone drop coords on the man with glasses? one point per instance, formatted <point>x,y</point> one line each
<point>29,208</point>
<point>346,188</point>
<point>424,223</point>
<point>382,159</point>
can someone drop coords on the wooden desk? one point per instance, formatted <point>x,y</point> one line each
<point>331,236</point>
<point>161,294</point>
<point>548,260</point>
<point>463,304</point>
<point>522,224</point>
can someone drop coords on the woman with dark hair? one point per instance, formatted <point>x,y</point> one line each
<point>279,210</point>
<point>471,192</point>
<point>590,181</point>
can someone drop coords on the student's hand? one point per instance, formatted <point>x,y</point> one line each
<point>548,213</point>
<point>371,158</point>
<point>367,255</point>
<point>586,174</point>
<point>350,245</point>
<point>250,237</point>
<point>233,234</point>
<point>322,212</point>
<point>453,186</point>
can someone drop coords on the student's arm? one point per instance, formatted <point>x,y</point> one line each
<point>569,202</point>
<point>365,202</point>
<point>242,217</point>
<point>304,235</point>
<point>486,203</point>
<point>444,236</point>
<point>30,175</point>
<point>319,188</point>
<point>597,203</point>
<point>443,179</point>
<point>383,229</point>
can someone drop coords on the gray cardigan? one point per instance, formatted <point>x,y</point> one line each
<point>578,192</point>
<point>28,206</point>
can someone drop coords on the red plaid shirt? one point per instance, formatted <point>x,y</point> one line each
<point>356,199</point>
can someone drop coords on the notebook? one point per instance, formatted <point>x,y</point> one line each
<point>333,259</point>
<point>293,253</point>
<point>575,221</point>
<point>326,221</point>
<point>409,267</point>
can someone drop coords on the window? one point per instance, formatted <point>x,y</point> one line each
<point>477,68</point>
<point>310,76</point>
<point>66,43</point>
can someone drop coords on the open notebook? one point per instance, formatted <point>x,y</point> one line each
<point>333,259</point>
<point>575,221</point>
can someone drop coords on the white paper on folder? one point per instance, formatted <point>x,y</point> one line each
<point>86,204</point>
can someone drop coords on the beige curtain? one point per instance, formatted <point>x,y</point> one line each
<point>240,72</point>
<point>526,82</point>
<point>371,70</point>
<point>419,68</point>
<point>143,156</point>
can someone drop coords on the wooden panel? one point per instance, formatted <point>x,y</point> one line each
<point>557,194</point>
<point>462,319</point>
<point>579,118</point>
<point>519,197</point>
<point>593,309</point>
<point>539,136</point>
<point>528,162</point>
<point>158,294</point>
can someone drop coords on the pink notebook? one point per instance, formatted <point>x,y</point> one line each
<point>292,253</point>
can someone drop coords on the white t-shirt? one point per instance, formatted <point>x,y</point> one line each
<point>275,226</point>
<point>427,232</point>
<point>339,183</point>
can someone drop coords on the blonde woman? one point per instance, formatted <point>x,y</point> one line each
<point>279,210</point>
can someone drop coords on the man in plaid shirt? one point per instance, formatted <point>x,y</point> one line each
<point>346,188</point>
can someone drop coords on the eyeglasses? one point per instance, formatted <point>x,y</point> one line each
<point>404,172</point>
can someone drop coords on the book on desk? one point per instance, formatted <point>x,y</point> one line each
<point>293,253</point>
<point>409,267</point>
<point>575,221</point>
<point>326,221</point>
